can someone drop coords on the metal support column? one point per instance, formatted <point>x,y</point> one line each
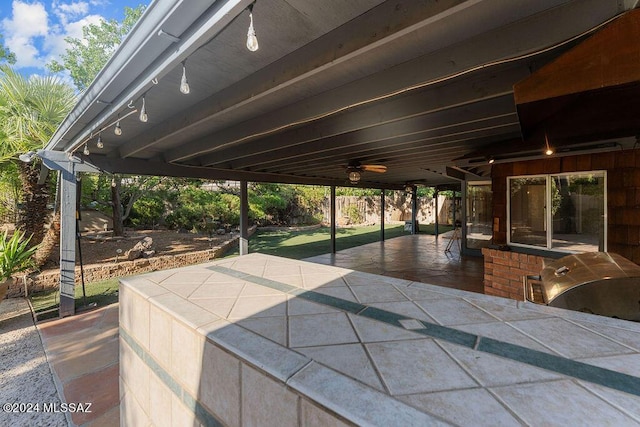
<point>435,195</point>
<point>414,209</point>
<point>67,242</point>
<point>382,211</point>
<point>333,219</point>
<point>68,165</point>
<point>243,242</point>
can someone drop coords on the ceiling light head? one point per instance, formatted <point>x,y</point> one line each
<point>184,84</point>
<point>548,150</point>
<point>117,130</point>
<point>143,112</point>
<point>354,176</point>
<point>27,157</point>
<point>99,143</point>
<point>252,40</point>
<point>86,151</point>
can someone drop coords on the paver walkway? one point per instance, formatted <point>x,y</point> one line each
<point>83,353</point>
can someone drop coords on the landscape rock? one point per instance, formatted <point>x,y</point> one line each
<point>140,248</point>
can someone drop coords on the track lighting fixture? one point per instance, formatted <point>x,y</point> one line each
<point>99,143</point>
<point>252,40</point>
<point>143,111</point>
<point>86,151</point>
<point>184,84</point>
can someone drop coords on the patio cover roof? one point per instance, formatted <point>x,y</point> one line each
<point>423,87</point>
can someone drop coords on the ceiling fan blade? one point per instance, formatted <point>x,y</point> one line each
<point>374,168</point>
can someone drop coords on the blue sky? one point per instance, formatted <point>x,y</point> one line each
<point>35,29</point>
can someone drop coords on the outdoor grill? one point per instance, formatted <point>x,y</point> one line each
<point>596,282</point>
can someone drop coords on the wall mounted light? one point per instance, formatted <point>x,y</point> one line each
<point>491,160</point>
<point>252,40</point>
<point>184,84</point>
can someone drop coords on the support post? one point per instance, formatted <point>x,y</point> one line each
<point>243,242</point>
<point>67,242</point>
<point>382,211</point>
<point>68,165</point>
<point>414,209</point>
<point>333,219</point>
<point>436,197</point>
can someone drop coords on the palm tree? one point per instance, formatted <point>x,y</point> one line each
<point>30,111</point>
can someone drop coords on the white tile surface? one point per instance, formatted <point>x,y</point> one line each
<point>454,311</point>
<point>417,366</point>
<point>569,339</point>
<point>320,329</point>
<point>265,402</point>
<point>349,359</point>
<point>328,364</point>
<point>470,407</point>
<point>370,330</point>
<point>560,403</point>
<point>490,370</point>
<point>355,401</point>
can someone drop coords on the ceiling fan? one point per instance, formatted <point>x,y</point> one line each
<point>355,170</point>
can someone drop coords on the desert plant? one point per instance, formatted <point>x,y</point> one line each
<point>15,254</point>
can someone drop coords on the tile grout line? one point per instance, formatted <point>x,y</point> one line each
<point>203,415</point>
<point>560,364</point>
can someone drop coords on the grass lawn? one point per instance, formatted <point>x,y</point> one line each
<point>305,244</point>
<point>45,304</point>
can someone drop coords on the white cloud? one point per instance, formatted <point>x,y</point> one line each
<point>27,26</point>
<point>37,36</point>
<point>55,45</point>
<point>69,11</point>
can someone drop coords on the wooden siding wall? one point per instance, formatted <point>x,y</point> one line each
<point>623,193</point>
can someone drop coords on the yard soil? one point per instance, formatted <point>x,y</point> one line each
<point>99,251</point>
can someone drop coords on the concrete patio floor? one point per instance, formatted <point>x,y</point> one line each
<point>419,257</point>
<point>83,350</point>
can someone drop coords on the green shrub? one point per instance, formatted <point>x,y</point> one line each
<point>353,213</point>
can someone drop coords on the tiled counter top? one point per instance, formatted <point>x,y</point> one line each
<point>262,340</point>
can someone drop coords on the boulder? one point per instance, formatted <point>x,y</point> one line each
<point>140,248</point>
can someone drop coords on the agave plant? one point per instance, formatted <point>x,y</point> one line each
<point>15,254</point>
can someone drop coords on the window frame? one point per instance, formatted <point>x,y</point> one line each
<point>548,219</point>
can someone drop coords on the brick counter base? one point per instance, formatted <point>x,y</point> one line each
<point>504,272</point>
